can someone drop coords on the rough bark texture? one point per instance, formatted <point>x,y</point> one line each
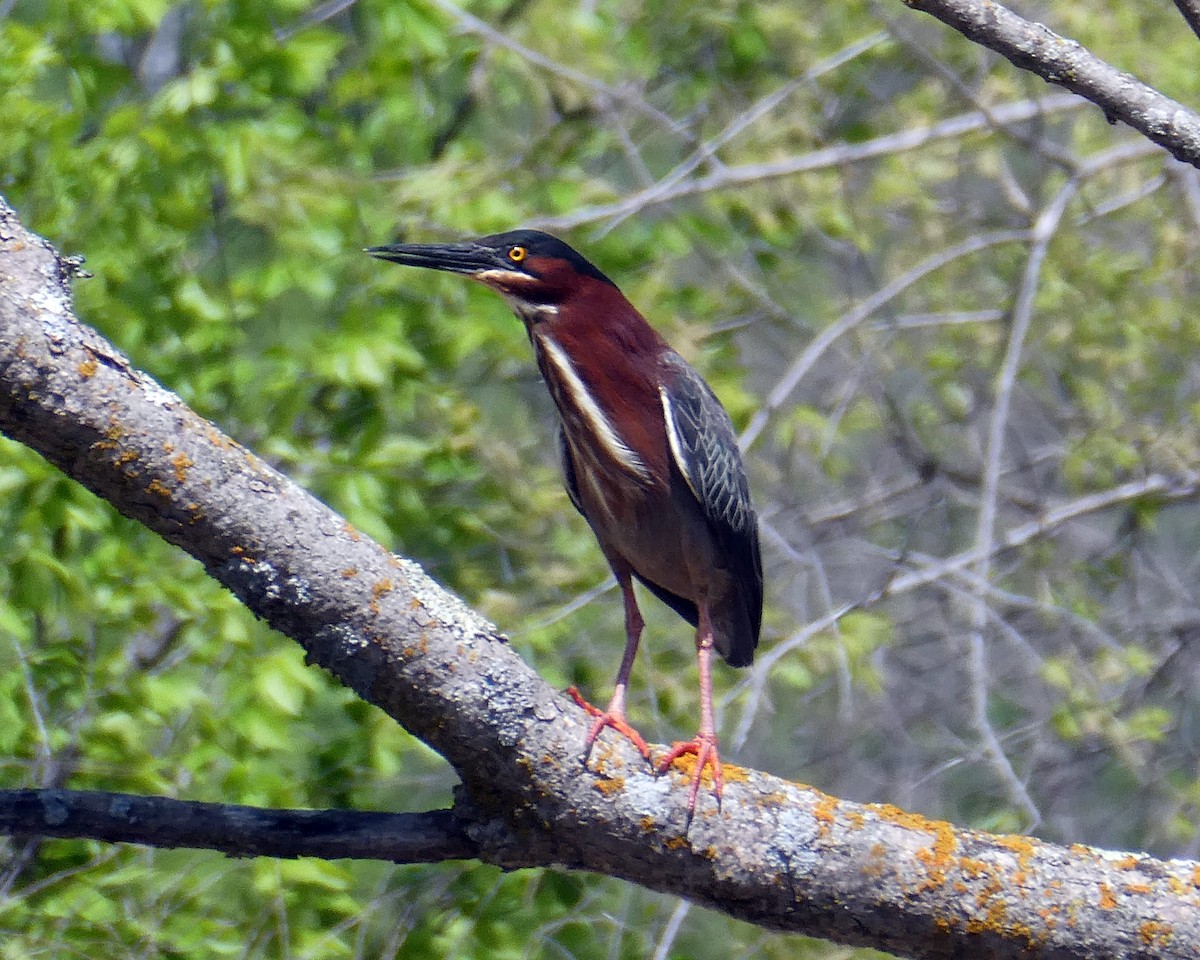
<point>777,853</point>
<point>1038,49</point>
<point>240,831</point>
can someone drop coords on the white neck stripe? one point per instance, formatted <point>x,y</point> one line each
<point>591,411</point>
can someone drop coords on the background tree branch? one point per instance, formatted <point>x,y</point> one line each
<point>1190,10</point>
<point>777,854</point>
<point>237,830</point>
<point>1034,47</point>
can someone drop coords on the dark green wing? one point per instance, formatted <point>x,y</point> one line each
<point>705,449</point>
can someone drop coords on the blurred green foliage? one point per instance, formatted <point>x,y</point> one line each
<point>221,165</point>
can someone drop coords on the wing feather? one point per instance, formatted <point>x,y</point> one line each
<point>705,449</point>
<point>570,481</point>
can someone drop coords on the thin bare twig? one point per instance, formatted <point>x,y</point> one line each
<point>605,93</point>
<point>671,931</point>
<point>1043,232</point>
<point>921,51</point>
<point>1168,489</point>
<point>848,321</point>
<point>947,318</point>
<point>827,157</point>
<point>706,153</point>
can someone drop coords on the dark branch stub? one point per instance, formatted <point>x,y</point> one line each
<point>239,831</point>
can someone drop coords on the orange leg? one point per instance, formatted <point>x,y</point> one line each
<point>614,716</point>
<point>704,744</point>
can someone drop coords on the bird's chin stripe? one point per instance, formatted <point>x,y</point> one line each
<point>576,392</point>
<point>530,312</point>
<point>493,277</point>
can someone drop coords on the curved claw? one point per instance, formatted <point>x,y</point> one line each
<point>611,717</point>
<point>704,746</point>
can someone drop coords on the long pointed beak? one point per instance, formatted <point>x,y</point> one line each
<point>468,258</point>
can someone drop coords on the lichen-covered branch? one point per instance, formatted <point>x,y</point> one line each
<point>1057,59</point>
<point>776,853</point>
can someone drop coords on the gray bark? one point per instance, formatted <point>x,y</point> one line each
<point>1057,59</point>
<point>778,854</point>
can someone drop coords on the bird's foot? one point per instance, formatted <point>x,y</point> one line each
<point>704,747</point>
<point>612,717</point>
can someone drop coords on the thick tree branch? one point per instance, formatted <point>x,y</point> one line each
<point>1034,47</point>
<point>777,853</point>
<point>239,831</point>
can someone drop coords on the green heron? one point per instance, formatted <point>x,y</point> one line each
<point>649,457</point>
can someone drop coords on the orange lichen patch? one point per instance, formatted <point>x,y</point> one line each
<point>380,589</point>
<point>111,439</point>
<point>1126,863</point>
<point>87,369</point>
<point>993,921</point>
<point>181,463</point>
<point>1107,900</point>
<point>675,843</point>
<point>877,858</point>
<point>350,572</point>
<point>776,799</point>
<point>988,892</point>
<point>854,818</point>
<point>1196,877</point>
<point>686,764</point>
<point>158,489</point>
<point>996,922</point>
<point>126,456</point>
<point>824,813</point>
<point>415,603</point>
<point>348,529</point>
<point>941,855</point>
<point>647,824</point>
<point>1023,847</point>
<point>610,786</point>
<point>1154,932</point>
<point>1138,888</point>
<point>974,868</point>
<point>218,439</point>
<point>910,821</point>
<point>734,774</point>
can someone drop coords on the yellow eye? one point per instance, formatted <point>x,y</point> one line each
<point>517,254</point>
